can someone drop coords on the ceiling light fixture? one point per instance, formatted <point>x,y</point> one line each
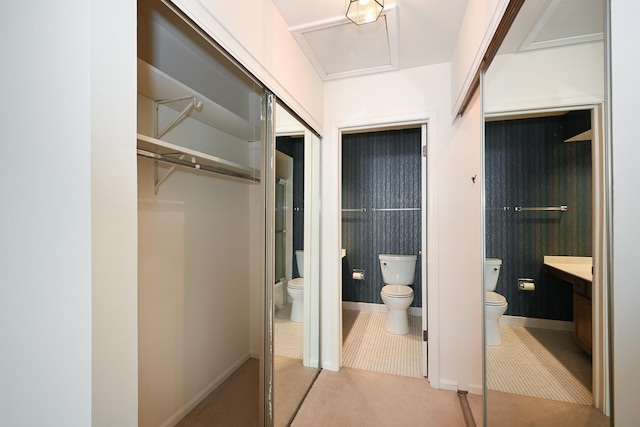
<point>364,11</point>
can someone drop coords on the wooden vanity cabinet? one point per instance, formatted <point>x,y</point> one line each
<point>582,316</point>
<point>582,335</point>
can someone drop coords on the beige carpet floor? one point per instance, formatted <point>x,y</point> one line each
<point>355,398</point>
<point>369,346</point>
<point>290,385</point>
<point>233,404</point>
<point>539,363</point>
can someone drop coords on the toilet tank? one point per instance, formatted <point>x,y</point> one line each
<point>300,262</point>
<point>491,272</point>
<point>398,269</point>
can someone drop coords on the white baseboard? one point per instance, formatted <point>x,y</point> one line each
<point>475,389</point>
<point>448,385</point>
<point>182,412</point>
<point>378,308</point>
<point>453,386</point>
<point>329,367</point>
<point>530,322</point>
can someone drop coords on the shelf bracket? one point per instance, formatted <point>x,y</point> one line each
<point>159,181</point>
<point>194,104</point>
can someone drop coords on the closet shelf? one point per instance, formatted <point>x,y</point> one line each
<point>158,86</point>
<point>182,156</point>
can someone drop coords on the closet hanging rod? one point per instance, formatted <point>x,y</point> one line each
<point>562,208</point>
<point>394,209</point>
<point>195,165</point>
<point>380,209</point>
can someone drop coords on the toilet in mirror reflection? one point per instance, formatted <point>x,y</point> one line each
<point>295,288</point>
<point>494,304</point>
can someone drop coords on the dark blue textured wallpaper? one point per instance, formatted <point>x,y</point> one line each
<point>529,165</point>
<point>379,170</point>
<point>294,147</point>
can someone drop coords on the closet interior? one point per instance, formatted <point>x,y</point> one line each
<point>207,294</point>
<point>201,221</point>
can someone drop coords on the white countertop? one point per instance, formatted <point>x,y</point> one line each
<point>579,266</point>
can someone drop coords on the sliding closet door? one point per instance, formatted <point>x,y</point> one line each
<point>205,186</point>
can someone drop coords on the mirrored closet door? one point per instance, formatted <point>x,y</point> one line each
<point>201,171</point>
<point>228,187</point>
<point>546,321</point>
<point>296,280</point>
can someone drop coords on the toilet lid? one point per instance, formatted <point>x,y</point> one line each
<point>398,291</point>
<point>492,298</point>
<point>296,283</point>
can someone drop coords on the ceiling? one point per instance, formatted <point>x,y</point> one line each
<point>412,33</point>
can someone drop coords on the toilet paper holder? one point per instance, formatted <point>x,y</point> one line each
<point>358,274</point>
<point>526,284</point>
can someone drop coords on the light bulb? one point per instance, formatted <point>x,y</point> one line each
<point>363,2</point>
<point>369,16</point>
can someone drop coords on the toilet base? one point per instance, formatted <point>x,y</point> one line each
<point>492,332</point>
<point>297,308</point>
<point>398,322</point>
<point>295,289</point>
<point>397,308</point>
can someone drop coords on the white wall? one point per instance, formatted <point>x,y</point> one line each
<point>193,284</point>
<point>626,204</point>
<point>46,245</point>
<point>417,94</point>
<point>256,35</point>
<point>68,276</point>
<point>540,79</point>
<point>480,21</point>
<point>114,226</point>
<point>461,248</point>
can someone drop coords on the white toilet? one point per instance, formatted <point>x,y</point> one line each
<point>295,288</point>
<point>494,304</point>
<point>398,272</point>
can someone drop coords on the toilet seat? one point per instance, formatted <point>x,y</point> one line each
<point>397,291</point>
<point>493,298</point>
<point>297,283</point>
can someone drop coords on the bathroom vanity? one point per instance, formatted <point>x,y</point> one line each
<point>579,272</point>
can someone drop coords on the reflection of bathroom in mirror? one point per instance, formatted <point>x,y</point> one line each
<point>295,360</point>
<point>546,323</point>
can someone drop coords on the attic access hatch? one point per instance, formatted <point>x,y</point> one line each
<point>338,49</point>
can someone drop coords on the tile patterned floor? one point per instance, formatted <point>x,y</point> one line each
<point>288,336</point>
<point>368,345</point>
<point>539,363</point>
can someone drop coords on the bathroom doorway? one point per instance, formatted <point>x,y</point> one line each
<point>383,196</point>
<point>546,84</point>
<point>538,192</point>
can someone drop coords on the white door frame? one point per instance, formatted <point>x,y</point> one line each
<point>429,259</point>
